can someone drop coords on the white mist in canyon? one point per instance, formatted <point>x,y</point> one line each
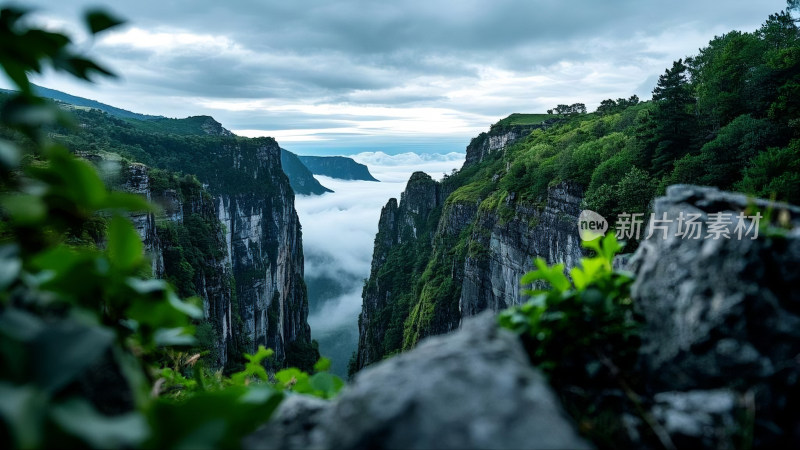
<point>338,233</point>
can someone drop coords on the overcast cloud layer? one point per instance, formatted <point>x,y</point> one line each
<point>348,76</point>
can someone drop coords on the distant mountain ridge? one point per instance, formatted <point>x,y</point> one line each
<point>340,167</point>
<point>299,169</point>
<point>80,101</point>
<point>300,177</point>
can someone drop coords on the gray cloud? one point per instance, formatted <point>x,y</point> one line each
<point>484,59</point>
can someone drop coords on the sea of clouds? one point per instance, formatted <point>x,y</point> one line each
<point>338,234</point>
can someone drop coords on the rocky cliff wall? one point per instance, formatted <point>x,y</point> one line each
<point>403,241</point>
<point>262,233</point>
<point>439,258</point>
<point>187,223</point>
<point>721,323</point>
<point>498,138</point>
<point>253,293</point>
<point>507,248</point>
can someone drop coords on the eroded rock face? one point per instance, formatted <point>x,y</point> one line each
<point>212,278</point>
<point>249,204</point>
<point>723,313</point>
<point>402,223</point>
<point>264,240</point>
<point>491,277</point>
<point>473,388</point>
<point>497,139</point>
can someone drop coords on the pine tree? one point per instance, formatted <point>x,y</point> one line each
<point>675,121</point>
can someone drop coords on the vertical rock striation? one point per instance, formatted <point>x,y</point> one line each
<point>508,246</point>
<point>262,233</point>
<point>187,207</point>
<point>252,287</point>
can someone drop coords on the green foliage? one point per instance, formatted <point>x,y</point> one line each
<point>774,173</point>
<point>568,110</point>
<point>611,106</point>
<point>302,354</point>
<point>673,118</point>
<point>321,384</point>
<point>582,332</point>
<point>523,119</point>
<point>569,323</point>
<point>471,193</point>
<point>85,339</point>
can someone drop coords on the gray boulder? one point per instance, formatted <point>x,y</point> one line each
<point>723,313</point>
<point>704,419</point>
<point>474,388</point>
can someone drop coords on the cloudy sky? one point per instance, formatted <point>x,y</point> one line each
<point>347,76</point>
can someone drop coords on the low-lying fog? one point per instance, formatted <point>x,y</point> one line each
<point>338,233</point>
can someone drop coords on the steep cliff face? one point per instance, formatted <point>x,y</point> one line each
<point>186,245</point>
<point>454,248</point>
<point>250,273</point>
<point>136,180</point>
<point>508,246</point>
<point>439,258</point>
<point>498,138</point>
<point>264,243</point>
<point>403,242</point>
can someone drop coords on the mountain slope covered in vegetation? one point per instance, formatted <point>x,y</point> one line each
<point>727,117</point>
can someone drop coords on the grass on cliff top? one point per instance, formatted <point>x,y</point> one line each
<point>524,119</point>
<point>188,126</point>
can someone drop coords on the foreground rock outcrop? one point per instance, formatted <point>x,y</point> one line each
<point>474,388</point>
<point>721,333</point>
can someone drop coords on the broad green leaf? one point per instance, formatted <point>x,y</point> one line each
<point>187,308</point>
<point>179,336</point>
<point>211,419</point>
<point>64,350</point>
<point>79,180</point>
<point>260,394</point>
<point>125,249</point>
<point>79,418</point>
<point>323,365</point>
<point>10,265</point>
<point>9,155</point>
<point>24,209</point>
<point>82,68</point>
<point>553,275</point>
<point>58,259</point>
<point>147,286</point>
<point>22,408</point>
<point>98,20</point>
<point>20,325</point>
<point>125,201</point>
<point>328,384</point>
<point>153,314</point>
<point>290,376</point>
